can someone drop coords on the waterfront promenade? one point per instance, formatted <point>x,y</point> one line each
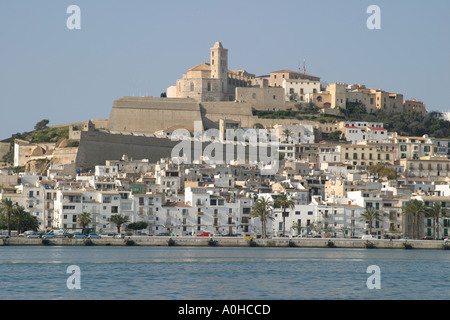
<point>234,242</point>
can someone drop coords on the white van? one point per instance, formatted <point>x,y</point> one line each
<point>58,233</point>
<point>367,237</point>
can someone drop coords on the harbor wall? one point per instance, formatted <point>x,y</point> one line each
<point>233,242</point>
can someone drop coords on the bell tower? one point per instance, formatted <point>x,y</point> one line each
<point>219,62</point>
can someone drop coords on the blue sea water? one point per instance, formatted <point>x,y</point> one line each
<point>184,273</point>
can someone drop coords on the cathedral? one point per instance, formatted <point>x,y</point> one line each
<point>211,81</point>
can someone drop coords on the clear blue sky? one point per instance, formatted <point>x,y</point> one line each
<point>144,46</point>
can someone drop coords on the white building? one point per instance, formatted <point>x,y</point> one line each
<point>100,204</point>
<point>300,90</point>
<point>357,135</point>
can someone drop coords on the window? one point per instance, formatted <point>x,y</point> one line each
<point>310,213</point>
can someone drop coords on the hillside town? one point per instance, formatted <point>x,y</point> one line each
<point>338,178</point>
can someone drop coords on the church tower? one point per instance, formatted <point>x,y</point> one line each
<point>219,62</point>
<point>219,65</point>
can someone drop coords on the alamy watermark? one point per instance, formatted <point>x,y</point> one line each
<point>374,281</point>
<point>74,20</point>
<point>257,147</point>
<point>74,280</point>
<point>374,20</point>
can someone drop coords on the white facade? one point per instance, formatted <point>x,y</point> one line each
<point>357,135</point>
<point>300,90</point>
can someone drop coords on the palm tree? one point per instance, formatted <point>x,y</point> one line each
<point>287,133</point>
<point>370,215</point>
<point>119,220</point>
<point>7,206</point>
<point>436,211</point>
<point>263,210</point>
<point>284,202</point>
<point>20,214</point>
<point>415,209</point>
<point>84,219</point>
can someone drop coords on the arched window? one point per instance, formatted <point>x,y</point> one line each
<point>319,98</point>
<point>209,86</point>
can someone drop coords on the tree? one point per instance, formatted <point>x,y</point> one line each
<point>263,210</point>
<point>41,125</point>
<point>27,221</point>
<point>258,126</point>
<point>19,214</point>
<point>316,227</point>
<point>297,226</point>
<point>414,209</point>
<point>163,95</point>
<point>287,133</point>
<point>7,206</point>
<point>84,219</point>
<point>140,225</point>
<point>436,211</point>
<point>370,215</point>
<point>380,170</point>
<point>335,135</point>
<point>119,220</point>
<point>284,202</point>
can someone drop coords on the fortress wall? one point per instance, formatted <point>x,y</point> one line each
<point>97,147</point>
<point>149,114</point>
<point>65,156</point>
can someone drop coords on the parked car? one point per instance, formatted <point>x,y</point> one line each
<point>48,236</point>
<point>4,236</point>
<point>163,234</point>
<point>34,235</point>
<point>204,234</point>
<point>26,233</point>
<point>94,236</point>
<point>79,235</point>
<point>317,237</point>
<point>367,237</point>
<point>120,236</point>
<point>427,238</point>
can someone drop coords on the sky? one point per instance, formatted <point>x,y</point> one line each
<point>141,47</point>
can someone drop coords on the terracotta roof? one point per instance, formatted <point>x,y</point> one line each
<point>201,67</point>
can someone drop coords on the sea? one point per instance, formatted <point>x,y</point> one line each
<point>220,273</point>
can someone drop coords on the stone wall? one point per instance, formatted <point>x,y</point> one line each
<point>4,149</point>
<point>232,242</point>
<point>150,114</point>
<point>262,98</point>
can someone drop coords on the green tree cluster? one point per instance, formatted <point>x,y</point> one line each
<point>380,170</point>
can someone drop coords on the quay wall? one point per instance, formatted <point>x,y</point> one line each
<point>233,242</point>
